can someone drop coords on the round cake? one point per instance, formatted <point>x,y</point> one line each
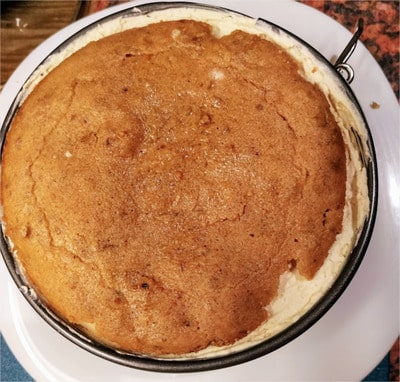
<point>160,183</point>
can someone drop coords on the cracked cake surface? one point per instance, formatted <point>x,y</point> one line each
<point>158,182</point>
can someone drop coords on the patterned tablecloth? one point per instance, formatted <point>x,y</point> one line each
<point>24,25</point>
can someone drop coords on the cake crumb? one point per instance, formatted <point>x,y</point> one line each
<point>175,33</point>
<point>217,74</point>
<point>374,105</point>
<point>68,154</point>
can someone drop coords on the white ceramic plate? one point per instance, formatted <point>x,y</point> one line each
<point>351,339</point>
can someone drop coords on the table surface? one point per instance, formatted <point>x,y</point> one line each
<point>25,24</point>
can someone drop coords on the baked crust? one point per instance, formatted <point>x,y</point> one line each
<point>158,182</point>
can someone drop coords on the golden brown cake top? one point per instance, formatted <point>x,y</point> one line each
<point>158,182</point>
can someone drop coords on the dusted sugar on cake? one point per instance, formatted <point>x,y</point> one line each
<point>158,182</point>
